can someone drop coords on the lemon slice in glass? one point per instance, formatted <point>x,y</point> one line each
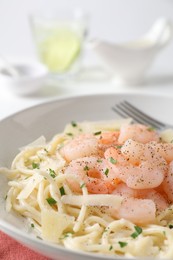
<point>60,50</point>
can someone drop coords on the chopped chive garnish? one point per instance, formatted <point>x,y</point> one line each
<point>39,238</point>
<point>110,248</point>
<point>118,146</point>
<point>67,234</point>
<point>5,197</point>
<point>138,229</point>
<point>73,123</point>
<point>86,168</point>
<point>151,128</point>
<point>52,173</point>
<point>97,133</point>
<point>170,226</point>
<point>62,191</point>
<point>32,225</point>
<point>46,150</point>
<point>35,165</point>
<point>122,244</point>
<point>112,160</point>
<point>134,235</point>
<point>99,160</point>
<point>82,185</point>
<point>106,172</point>
<point>51,201</point>
<point>137,233</point>
<point>70,134</point>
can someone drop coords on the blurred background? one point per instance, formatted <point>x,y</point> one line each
<point>115,20</point>
<point>112,21</point>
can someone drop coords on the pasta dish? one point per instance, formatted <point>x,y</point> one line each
<point>100,187</point>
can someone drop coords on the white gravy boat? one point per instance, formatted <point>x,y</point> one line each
<point>128,62</point>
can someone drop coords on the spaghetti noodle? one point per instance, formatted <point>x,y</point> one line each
<point>62,207</point>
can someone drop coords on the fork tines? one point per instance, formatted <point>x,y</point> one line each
<point>125,109</point>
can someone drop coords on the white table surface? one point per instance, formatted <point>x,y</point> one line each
<point>93,79</point>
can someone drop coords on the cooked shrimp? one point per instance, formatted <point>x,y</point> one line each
<point>144,176</point>
<point>133,170</point>
<point>81,146</point>
<point>124,191</point>
<point>106,140</point>
<point>116,154</point>
<point>115,161</point>
<point>133,151</point>
<point>160,201</point>
<point>109,138</point>
<point>136,152</point>
<point>148,174</point>
<point>138,206</point>
<point>93,172</point>
<point>168,182</point>
<point>165,150</point>
<point>137,132</point>
<point>139,211</point>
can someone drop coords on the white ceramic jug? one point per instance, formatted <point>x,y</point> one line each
<point>128,62</point>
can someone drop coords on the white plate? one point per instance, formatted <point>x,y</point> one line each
<point>49,119</point>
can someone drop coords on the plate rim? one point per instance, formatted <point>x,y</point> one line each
<point>83,96</point>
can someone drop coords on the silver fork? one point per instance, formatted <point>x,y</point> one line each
<point>125,109</point>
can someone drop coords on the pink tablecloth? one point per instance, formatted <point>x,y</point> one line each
<point>12,250</point>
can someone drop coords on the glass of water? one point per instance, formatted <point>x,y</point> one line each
<point>60,38</point>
